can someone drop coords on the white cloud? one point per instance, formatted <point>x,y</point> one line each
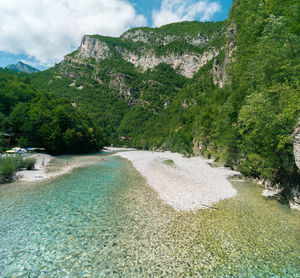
<point>181,10</point>
<point>46,30</point>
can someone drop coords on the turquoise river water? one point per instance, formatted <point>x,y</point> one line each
<point>104,221</point>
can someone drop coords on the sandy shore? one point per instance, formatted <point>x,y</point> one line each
<point>39,171</point>
<point>186,183</point>
<point>44,169</point>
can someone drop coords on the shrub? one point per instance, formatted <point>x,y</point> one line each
<point>7,169</point>
<point>18,161</point>
<point>8,166</point>
<point>29,163</point>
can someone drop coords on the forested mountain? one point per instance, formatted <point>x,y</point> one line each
<point>127,83</point>
<point>39,119</point>
<point>228,89</point>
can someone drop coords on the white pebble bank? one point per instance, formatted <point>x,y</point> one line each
<point>188,185</point>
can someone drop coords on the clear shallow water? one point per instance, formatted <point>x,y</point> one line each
<point>103,221</point>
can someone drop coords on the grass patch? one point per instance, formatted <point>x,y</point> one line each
<point>169,162</point>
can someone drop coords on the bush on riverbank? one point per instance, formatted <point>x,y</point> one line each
<point>10,165</point>
<point>29,163</point>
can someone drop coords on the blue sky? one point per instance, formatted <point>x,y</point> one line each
<point>40,33</point>
<point>146,7</point>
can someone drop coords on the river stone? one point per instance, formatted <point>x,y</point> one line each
<point>296,143</point>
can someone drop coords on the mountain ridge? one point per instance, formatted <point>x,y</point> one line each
<point>22,67</point>
<point>147,49</point>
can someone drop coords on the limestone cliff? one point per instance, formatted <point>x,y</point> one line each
<point>94,48</point>
<point>146,48</point>
<point>136,36</point>
<point>118,83</point>
<point>219,70</point>
<point>139,35</point>
<point>186,64</point>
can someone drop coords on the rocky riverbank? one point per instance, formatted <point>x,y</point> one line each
<point>184,183</point>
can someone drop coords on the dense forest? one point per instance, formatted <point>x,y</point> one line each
<point>252,126</point>
<point>240,107</point>
<point>38,119</point>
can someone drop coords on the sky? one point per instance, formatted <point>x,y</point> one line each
<point>41,32</point>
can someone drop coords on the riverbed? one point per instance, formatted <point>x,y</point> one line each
<point>103,220</point>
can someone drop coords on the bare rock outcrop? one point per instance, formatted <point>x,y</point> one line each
<point>92,47</point>
<point>136,36</point>
<point>139,35</point>
<point>187,64</point>
<point>296,144</point>
<point>219,70</point>
<point>197,147</point>
<point>198,40</point>
<point>219,73</point>
<point>118,83</point>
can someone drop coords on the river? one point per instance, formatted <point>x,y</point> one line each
<point>104,221</point>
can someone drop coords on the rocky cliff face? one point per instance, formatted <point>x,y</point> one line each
<point>219,70</point>
<point>296,143</point>
<point>148,37</point>
<point>118,83</point>
<point>91,47</point>
<point>136,36</point>
<point>186,64</point>
<point>146,48</point>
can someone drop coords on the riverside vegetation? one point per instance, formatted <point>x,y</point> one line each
<point>10,165</point>
<point>230,90</point>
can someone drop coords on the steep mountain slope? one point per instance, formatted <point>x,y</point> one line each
<point>230,89</point>
<point>22,67</point>
<point>142,71</point>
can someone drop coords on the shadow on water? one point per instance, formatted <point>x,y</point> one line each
<point>104,221</point>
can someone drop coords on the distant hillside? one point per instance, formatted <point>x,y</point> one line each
<point>40,119</point>
<point>22,67</point>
